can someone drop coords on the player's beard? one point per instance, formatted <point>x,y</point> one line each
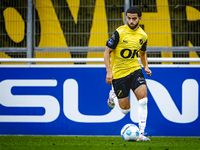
<point>133,26</point>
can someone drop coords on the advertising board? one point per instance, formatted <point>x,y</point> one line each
<point>45,100</point>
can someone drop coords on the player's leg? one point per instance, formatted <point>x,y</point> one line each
<point>141,94</point>
<point>122,104</point>
<point>121,98</point>
<point>139,88</point>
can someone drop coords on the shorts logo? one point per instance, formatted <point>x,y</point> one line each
<point>110,42</point>
<point>119,93</point>
<point>141,79</point>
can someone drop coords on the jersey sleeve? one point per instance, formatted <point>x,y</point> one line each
<point>113,41</point>
<point>144,46</point>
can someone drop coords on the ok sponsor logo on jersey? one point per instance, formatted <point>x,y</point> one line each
<point>127,53</point>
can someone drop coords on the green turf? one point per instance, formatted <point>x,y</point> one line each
<point>96,143</point>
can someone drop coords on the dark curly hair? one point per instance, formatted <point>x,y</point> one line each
<point>134,10</point>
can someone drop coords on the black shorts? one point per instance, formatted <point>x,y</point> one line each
<point>123,85</point>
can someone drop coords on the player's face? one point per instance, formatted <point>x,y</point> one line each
<point>133,20</point>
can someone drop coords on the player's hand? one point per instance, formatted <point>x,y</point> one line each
<point>109,78</point>
<point>148,71</point>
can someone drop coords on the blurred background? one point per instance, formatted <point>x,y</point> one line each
<point>80,28</point>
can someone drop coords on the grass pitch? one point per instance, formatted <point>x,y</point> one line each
<point>96,143</point>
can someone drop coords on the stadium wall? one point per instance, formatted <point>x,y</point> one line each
<point>72,100</point>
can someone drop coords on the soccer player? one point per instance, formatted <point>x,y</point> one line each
<point>127,43</point>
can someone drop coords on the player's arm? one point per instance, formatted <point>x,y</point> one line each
<point>143,57</point>
<point>111,45</point>
<point>109,75</point>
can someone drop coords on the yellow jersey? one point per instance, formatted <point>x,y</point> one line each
<point>126,44</point>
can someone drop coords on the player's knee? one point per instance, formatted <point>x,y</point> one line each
<point>124,109</point>
<point>124,105</point>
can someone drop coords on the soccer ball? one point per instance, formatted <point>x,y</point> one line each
<point>130,132</point>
